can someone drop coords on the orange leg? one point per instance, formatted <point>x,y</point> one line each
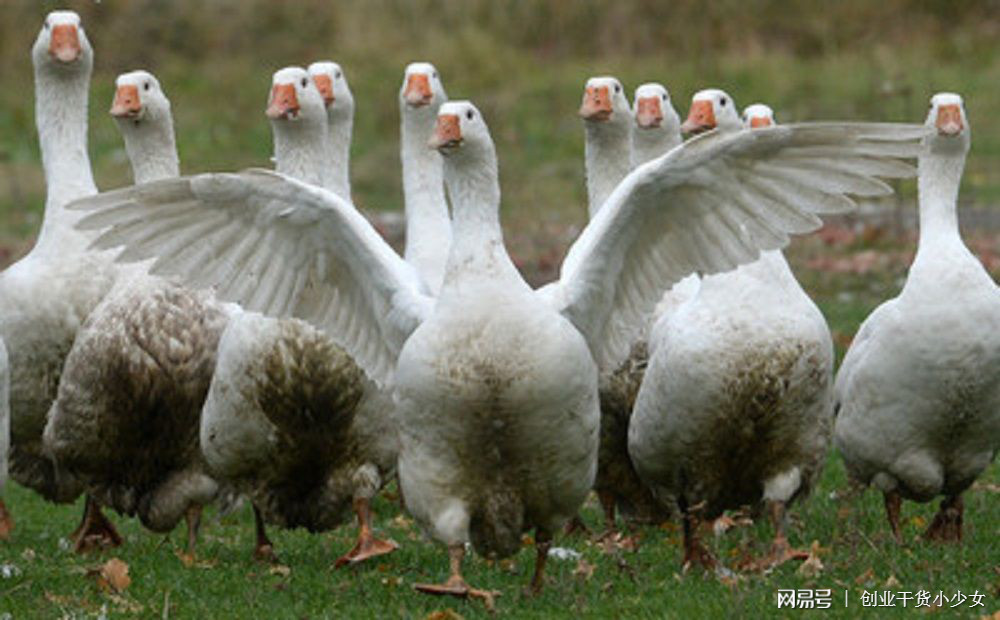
<point>6,522</point>
<point>694,552</point>
<point>781,551</point>
<point>456,585</point>
<point>368,546</point>
<point>893,508</point>
<point>947,524</point>
<point>607,500</point>
<point>264,550</point>
<point>543,541</point>
<point>95,531</point>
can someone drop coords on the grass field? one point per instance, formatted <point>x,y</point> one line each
<point>524,63</point>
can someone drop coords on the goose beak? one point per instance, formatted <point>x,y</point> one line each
<point>325,87</point>
<point>756,122</point>
<point>596,104</point>
<point>648,114</point>
<point>64,43</point>
<point>447,133</point>
<point>949,120</point>
<point>418,90</point>
<point>126,103</point>
<point>700,118</point>
<point>284,102</point>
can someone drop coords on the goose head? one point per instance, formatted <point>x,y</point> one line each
<point>62,43</point>
<point>604,102</point>
<point>138,99</point>
<point>652,109</point>
<point>331,82</point>
<point>294,97</point>
<point>949,124</point>
<point>758,115</point>
<point>421,87</point>
<point>711,108</point>
<point>460,129</point>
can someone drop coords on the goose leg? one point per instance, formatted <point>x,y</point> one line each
<point>193,518</point>
<point>264,551</point>
<point>543,541</point>
<point>893,508</point>
<point>607,500</point>
<point>947,524</point>
<point>694,552</point>
<point>6,522</point>
<point>456,585</point>
<point>95,531</point>
<point>368,546</point>
<point>781,550</point>
<point>576,526</point>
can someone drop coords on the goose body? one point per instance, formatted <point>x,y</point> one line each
<point>46,296</point>
<point>918,393</point>
<point>487,360</point>
<point>127,414</point>
<point>735,406</point>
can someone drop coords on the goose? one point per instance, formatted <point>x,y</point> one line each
<point>290,419</point>
<point>331,82</point>
<point>735,407</point>
<point>125,420</point>
<point>918,393</point>
<point>6,520</point>
<point>45,296</point>
<point>657,126</point>
<point>608,140</point>
<point>495,384</point>
<point>428,225</point>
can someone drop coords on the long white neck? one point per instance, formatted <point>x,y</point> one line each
<point>61,117</point>
<point>477,247</point>
<point>300,149</point>
<point>428,226</point>
<point>649,144</point>
<point>340,124</point>
<point>607,152</point>
<point>939,176</point>
<point>151,148</point>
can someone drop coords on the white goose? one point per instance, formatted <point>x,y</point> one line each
<point>608,140</point>
<point>735,406</point>
<point>496,384</point>
<point>657,126</point>
<point>918,393</point>
<point>332,84</point>
<point>45,297</point>
<point>290,418</point>
<point>126,417</point>
<point>428,225</point>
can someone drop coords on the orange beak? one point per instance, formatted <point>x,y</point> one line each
<point>700,118</point>
<point>756,122</point>
<point>447,132</point>
<point>64,44</point>
<point>596,104</point>
<point>418,90</point>
<point>648,115</point>
<point>325,86</point>
<point>284,102</point>
<point>949,120</point>
<point>126,103</point>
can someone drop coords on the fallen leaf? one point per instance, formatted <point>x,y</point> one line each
<point>812,566</point>
<point>918,522</point>
<point>112,576</point>
<point>865,578</point>
<point>28,554</point>
<point>892,582</point>
<point>402,522</point>
<point>584,569</point>
<point>280,569</point>
<point>444,614</point>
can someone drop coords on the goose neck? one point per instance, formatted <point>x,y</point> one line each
<point>474,192</point>
<point>61,118</point>
<point>341,127</point>
<point>151,149</point>
<point>428,225</point>
<point>939,177</point>
<point>607,152</point>
<point>300,150</point>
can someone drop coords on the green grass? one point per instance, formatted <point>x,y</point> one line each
<point>857,554</point>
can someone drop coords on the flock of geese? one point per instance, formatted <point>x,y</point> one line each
<point>250,333</point>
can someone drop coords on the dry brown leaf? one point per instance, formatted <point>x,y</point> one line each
<point>892,582</point>
<point>444,614</point>
<point>918,522</point>
<point>812,565</point>
<point>865,577</point>
<point>402,522</point>
<point>112,576</point>
<point>584,569</point>
<point>279,569</point>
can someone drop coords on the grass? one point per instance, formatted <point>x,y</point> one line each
<point>856,551</point>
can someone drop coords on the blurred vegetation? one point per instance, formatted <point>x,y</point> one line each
<point>524,63</point>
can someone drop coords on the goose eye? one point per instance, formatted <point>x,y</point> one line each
<point>722,101</point>
<point>145,86</point>
<point>663,97</point>
<point>618,88</point>
<point>435,74</point>
<point>469,114</point>
<point>305,82</point>
<point>47,25</point>
<point>337,75</point>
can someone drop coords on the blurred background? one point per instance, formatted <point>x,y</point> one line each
<point>524,63</point>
